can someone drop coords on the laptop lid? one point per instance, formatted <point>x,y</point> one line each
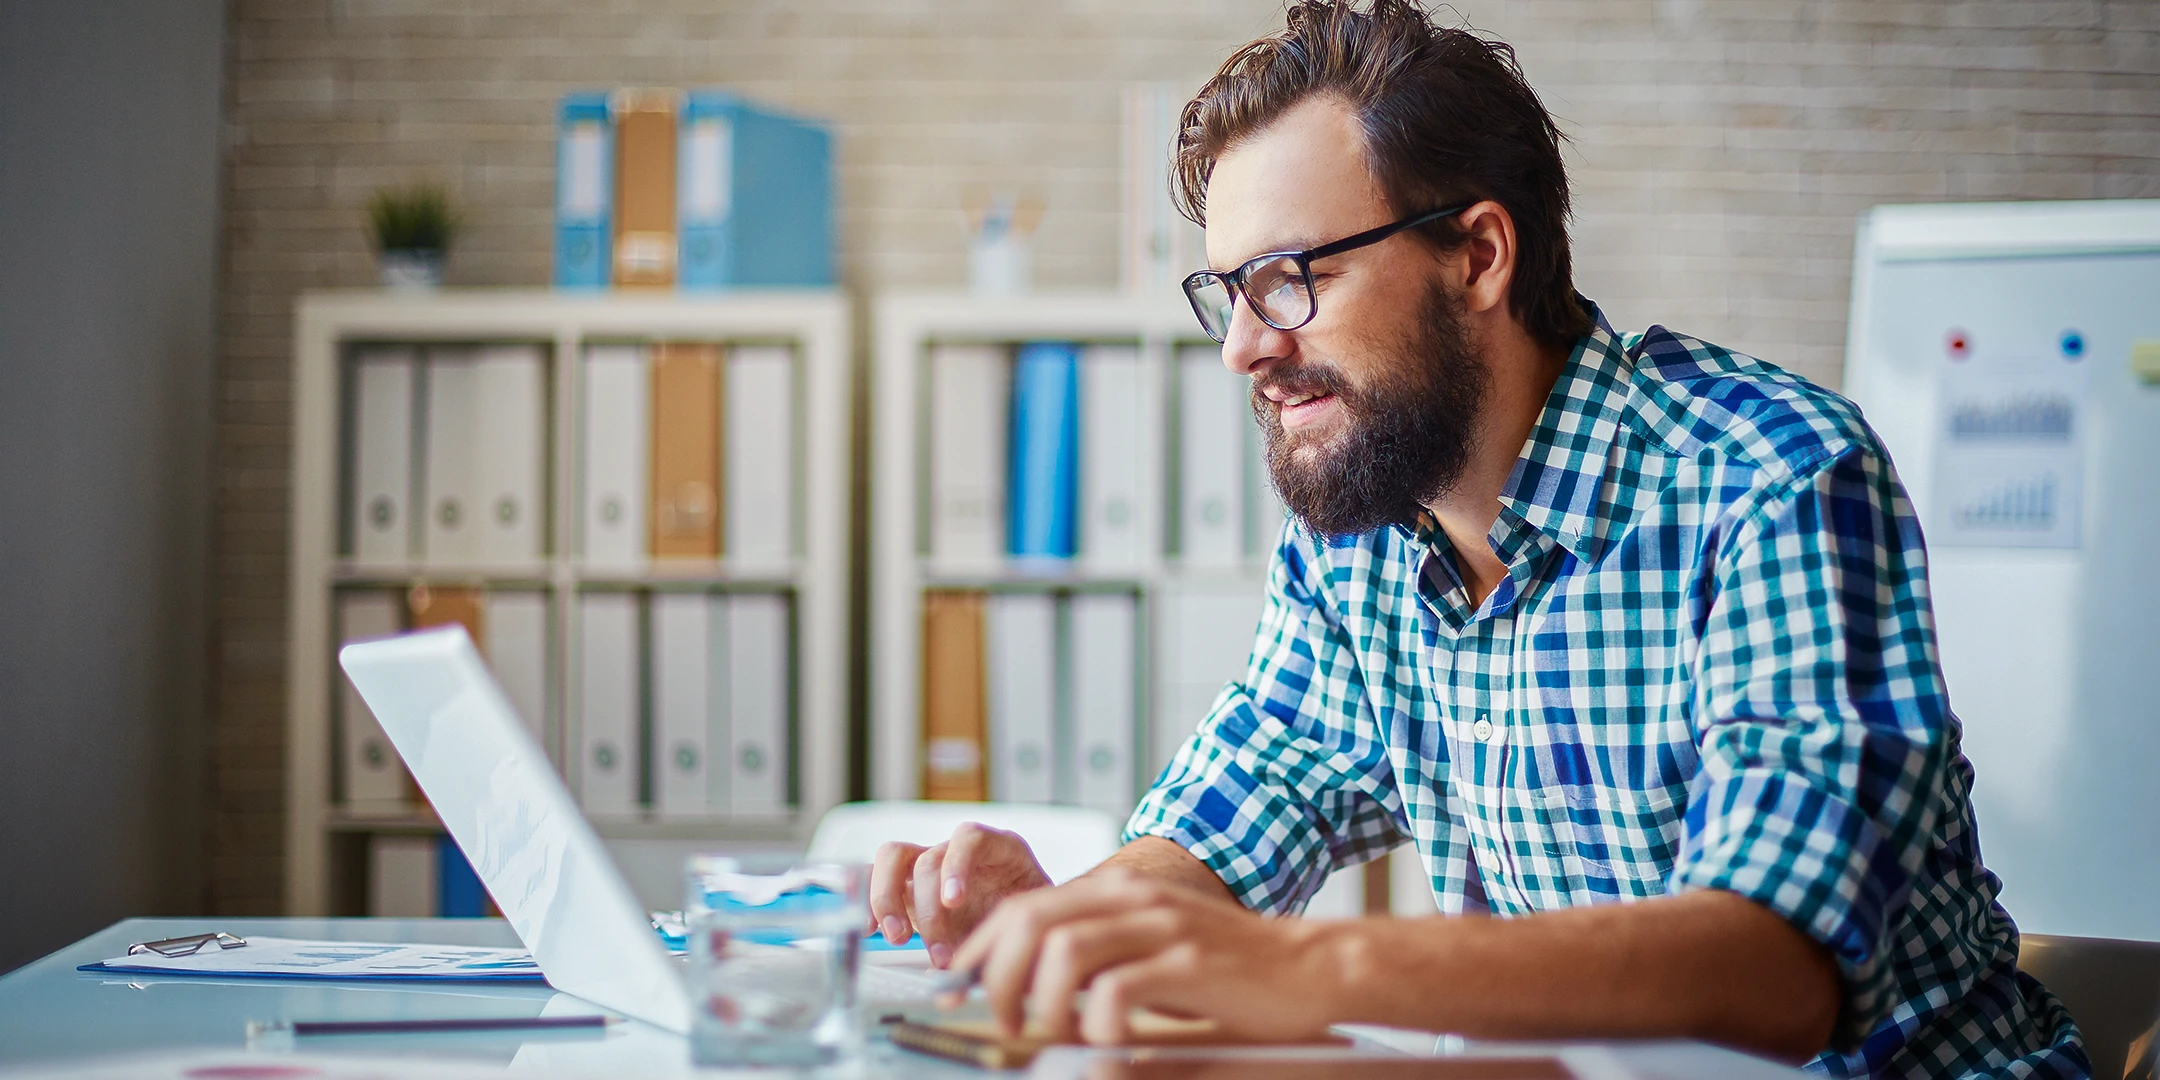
<point>503,802</point>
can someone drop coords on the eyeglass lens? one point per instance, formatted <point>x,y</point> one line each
<point>1277,288</point>
<point>1211,300</point>
<point>1275,285</point>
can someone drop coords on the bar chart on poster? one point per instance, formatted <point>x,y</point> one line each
<point>1995,349</point>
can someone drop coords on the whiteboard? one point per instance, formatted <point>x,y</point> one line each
<point>1992,348</point>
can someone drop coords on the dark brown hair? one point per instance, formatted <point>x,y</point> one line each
<point>1448,118</point>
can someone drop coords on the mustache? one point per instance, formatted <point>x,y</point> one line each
<point>1300,377</point>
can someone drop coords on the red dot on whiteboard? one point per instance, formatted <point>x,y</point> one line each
<point>1958,343</point>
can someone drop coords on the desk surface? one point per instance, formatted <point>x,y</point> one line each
<point>51,1012</point>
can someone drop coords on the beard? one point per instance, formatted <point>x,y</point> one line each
<point>1403,439</point>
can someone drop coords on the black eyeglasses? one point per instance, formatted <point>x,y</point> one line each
<point>1278,284</point>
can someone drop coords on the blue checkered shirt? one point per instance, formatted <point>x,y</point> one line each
<point>1711,665</point>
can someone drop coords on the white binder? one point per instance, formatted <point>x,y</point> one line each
<point>1104,696</point>
<point>1207,637</point>
<point>1021,640</point>
<point>618,450</point>
<point>607,738</point>
<point>507,429</point>
<point>450,479</point>
<point>1213,411</point>
<point>402,877</point>
<point>1113,423</point>
<point>683,704</point>
<point>970,402</point>
<point>759,646</point>
<point>758,457</point>
<point>380,513</point>
<point>517,652</point>
<point>374,776</point>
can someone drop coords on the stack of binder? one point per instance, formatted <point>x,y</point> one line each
<point>471,418</point>
<point>1031,696</point>
<point>1061,429</point>
<point>689,453</point>
<point>701,679</point>
<point>697,190</point>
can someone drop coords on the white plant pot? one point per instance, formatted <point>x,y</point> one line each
<point>411,271</point>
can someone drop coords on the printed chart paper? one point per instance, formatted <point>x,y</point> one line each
<point>2010,453</point>
<point>289,958</point>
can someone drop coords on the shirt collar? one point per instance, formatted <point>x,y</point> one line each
<point>1560,474</point>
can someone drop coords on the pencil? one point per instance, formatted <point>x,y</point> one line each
<point>474,1023</point>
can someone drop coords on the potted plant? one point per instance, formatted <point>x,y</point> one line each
<point>412,228</point>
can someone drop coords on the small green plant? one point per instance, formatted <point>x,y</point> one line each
<point>415,218</point>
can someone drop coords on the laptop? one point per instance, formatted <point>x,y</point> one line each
<point>502,801</point>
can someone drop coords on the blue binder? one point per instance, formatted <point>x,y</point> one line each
<point>458,892</point>
<point>753,196</point>
<point>584,191</point>
<point>1045,480</point>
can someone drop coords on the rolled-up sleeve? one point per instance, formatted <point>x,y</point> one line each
<point>1285,779</point>
<point>1822,724</point>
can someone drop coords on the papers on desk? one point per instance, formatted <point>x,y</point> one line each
<point>289,958</point>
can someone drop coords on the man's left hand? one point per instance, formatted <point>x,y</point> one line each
<point>1134,942</point>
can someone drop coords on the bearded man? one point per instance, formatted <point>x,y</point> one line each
<point>1627,637</point>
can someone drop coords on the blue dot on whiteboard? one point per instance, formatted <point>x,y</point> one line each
<point>2073,344</point>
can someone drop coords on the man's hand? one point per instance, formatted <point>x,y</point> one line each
<point>944,891</point>
<point>1135,941</point>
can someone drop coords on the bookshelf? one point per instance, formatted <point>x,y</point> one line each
<point>326,838</point>
<point>905,566</point>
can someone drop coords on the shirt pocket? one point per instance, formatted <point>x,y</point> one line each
<point>1578,844</point>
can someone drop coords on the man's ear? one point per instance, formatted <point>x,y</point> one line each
<point>1486,260</point>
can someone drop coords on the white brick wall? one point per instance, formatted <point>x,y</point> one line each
<point>1723,149</point>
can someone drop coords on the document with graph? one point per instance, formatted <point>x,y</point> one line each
<point>2010,451</point>
<point>290,958</point>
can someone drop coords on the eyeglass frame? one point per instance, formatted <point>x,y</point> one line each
<point>1233,281</point>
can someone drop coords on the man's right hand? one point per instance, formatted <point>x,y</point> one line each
<point>944,890</point>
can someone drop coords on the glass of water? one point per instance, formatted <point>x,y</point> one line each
<point>774,951</point>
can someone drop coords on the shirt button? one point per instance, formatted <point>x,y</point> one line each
<point>1483,729</point>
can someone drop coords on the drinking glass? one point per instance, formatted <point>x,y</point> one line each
<point>774,952</point>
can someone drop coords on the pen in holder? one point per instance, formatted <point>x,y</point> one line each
<point>1001,232</point>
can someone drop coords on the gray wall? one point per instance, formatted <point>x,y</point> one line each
<point>109,122</point>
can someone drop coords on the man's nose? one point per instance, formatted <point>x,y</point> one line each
<point>1251,343</point>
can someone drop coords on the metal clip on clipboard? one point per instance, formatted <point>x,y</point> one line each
<point>188,945</point>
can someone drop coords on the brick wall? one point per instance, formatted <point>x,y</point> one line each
<point>1723,149</point>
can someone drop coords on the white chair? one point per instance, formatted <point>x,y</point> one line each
<point>2112,989</point>
<point>1067,840</point>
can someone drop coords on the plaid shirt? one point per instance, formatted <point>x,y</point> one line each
<point>1711,665</point>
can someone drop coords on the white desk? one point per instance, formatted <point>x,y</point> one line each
<point>51,1012</point>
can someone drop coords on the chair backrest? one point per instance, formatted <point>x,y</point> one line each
<point>1067,840</point>
<point>2112,989</point>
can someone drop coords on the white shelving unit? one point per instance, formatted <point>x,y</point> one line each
<point>907,325</point>
<point>329,324</point>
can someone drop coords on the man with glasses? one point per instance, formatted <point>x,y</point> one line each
<point>1622,637</point>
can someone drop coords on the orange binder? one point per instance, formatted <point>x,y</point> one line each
<point>685,452</point>
<point>433,605</point>
<point>645,187</point>
<point>955,705</point>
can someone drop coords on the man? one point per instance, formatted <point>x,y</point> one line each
<point>1626,637</point>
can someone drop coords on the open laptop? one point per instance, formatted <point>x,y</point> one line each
<point>503,803</point>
